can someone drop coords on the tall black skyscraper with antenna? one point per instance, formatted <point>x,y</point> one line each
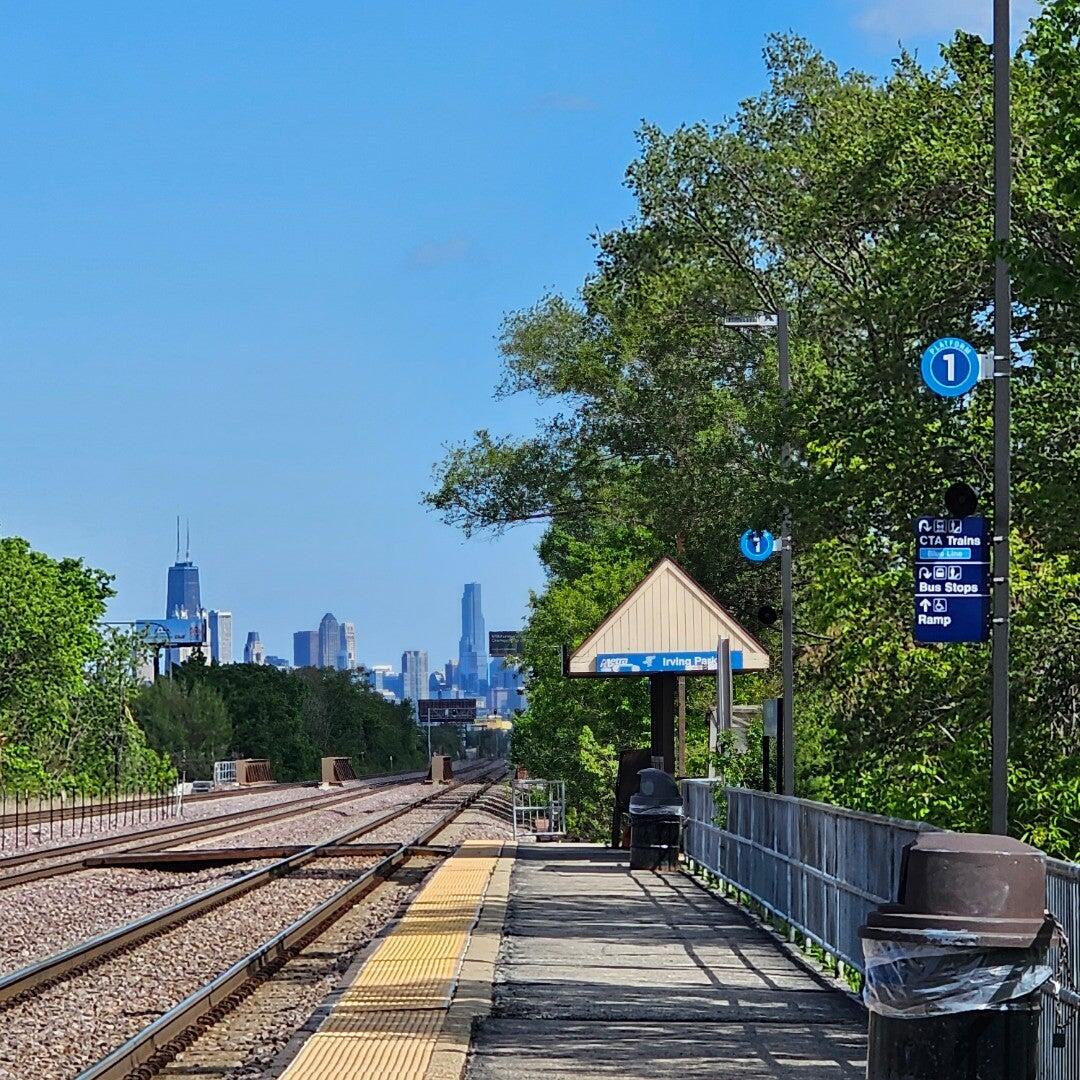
<point>182,598</point>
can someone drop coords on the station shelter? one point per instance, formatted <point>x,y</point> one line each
<point>668,626</point>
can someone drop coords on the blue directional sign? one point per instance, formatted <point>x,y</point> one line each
<point>757,544</point>
<point>952,579</point>
<point>950,367</point>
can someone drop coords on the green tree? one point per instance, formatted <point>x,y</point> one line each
<point>64,681</point>
<point>186,721</point>
<point>863,206</point>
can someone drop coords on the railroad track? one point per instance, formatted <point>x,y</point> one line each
<point>76,968</point>
<point>67,858</point>
<point>72,813</point>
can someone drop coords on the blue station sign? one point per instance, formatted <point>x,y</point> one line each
<point>952,579</point>
<point>950,367</point>
<point>657,663</point>
<point>757,545</point>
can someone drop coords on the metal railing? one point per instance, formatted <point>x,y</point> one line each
<point>539,807</point>
<point>822,869</point>
<point>224,773</point>
<point>27,819</point>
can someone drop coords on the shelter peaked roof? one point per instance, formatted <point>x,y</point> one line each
<point>668,612</point>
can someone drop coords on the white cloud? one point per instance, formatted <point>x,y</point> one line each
<point>434,253</point>
<point>907,19</point>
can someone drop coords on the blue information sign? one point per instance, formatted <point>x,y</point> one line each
<point>952,579</point>
<point>675,662</point>
<point>757,544</point>
<point>950,367</point>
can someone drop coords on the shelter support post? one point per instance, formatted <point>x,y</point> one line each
<point>662,692</point>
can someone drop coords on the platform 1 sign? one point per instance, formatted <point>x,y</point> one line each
<point>672,663</point>
<point>952,579</point>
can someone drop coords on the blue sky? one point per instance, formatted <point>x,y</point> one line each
<point>255,256</point>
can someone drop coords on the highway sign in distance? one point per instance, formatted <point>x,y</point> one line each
<point>952,579</point>
<point>504,643</point>
<point>950,367</point>
<point>447,710</point>
<point>757,544</point>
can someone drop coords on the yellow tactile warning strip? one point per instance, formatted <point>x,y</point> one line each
<point>387,1022</point>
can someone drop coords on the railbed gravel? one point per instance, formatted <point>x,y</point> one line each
<point>227,839</point>
<point>200,811</point>
<point>248,1043</point>
<point>41,918</point>
<point>316,826</point>
<point>113,1001</point>
<point>56,1034</point>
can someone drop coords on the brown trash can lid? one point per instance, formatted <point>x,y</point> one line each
<point>980,889</point>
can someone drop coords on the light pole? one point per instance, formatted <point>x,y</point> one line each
<point>999,724</point>
<point>778,320</point>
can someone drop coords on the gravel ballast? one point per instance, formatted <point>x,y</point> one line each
<point>61,1030</point>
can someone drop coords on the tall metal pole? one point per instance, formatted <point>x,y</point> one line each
<point>786,767</point>
<point>999,768</point>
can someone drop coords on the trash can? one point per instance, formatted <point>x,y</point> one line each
<point>656,813</point>
<point>953,970</point>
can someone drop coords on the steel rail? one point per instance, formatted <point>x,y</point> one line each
<point>51,969</point>
<point>71,812</point>
<point>155,1038</point>
<point>188,830</point>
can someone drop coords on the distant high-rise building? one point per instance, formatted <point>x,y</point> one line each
<point>305,648</point>
<point>377,674</point>
<point>472,646</point>
<point>452,675</point>
<point>278,662</point>
<point>221,636</point>
<point>254,650</point>
<point>504,687</point>
<point>414,676</point>
<point>347,650</point>
<point>182,599</point>
<point>329,641</point>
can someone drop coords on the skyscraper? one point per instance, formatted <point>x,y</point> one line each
<point>451,675</point>
<point>305,648</point>
<point>221,636</point>
<point>347,652</point>
<point>182,600</point>
<point>414,676</point>
<point>254,650</point>
<point>329,641</point>
<point>472,646</point>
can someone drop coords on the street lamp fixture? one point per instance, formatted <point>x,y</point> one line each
<point>778,321</point>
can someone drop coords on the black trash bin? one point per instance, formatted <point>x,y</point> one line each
<point>656,813</point>
<point>953,970</point>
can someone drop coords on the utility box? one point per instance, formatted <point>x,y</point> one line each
<point>441,770</point>
<point>953,970</point>
<point>253,771</point>
<point>336,770</point>
<point>656,813</point>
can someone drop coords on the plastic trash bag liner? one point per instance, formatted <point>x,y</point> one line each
<point>942,975</point>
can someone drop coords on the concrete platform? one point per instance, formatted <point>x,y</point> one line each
<point>604,973</point>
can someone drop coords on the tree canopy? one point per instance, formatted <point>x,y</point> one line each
<point>863,207</point>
